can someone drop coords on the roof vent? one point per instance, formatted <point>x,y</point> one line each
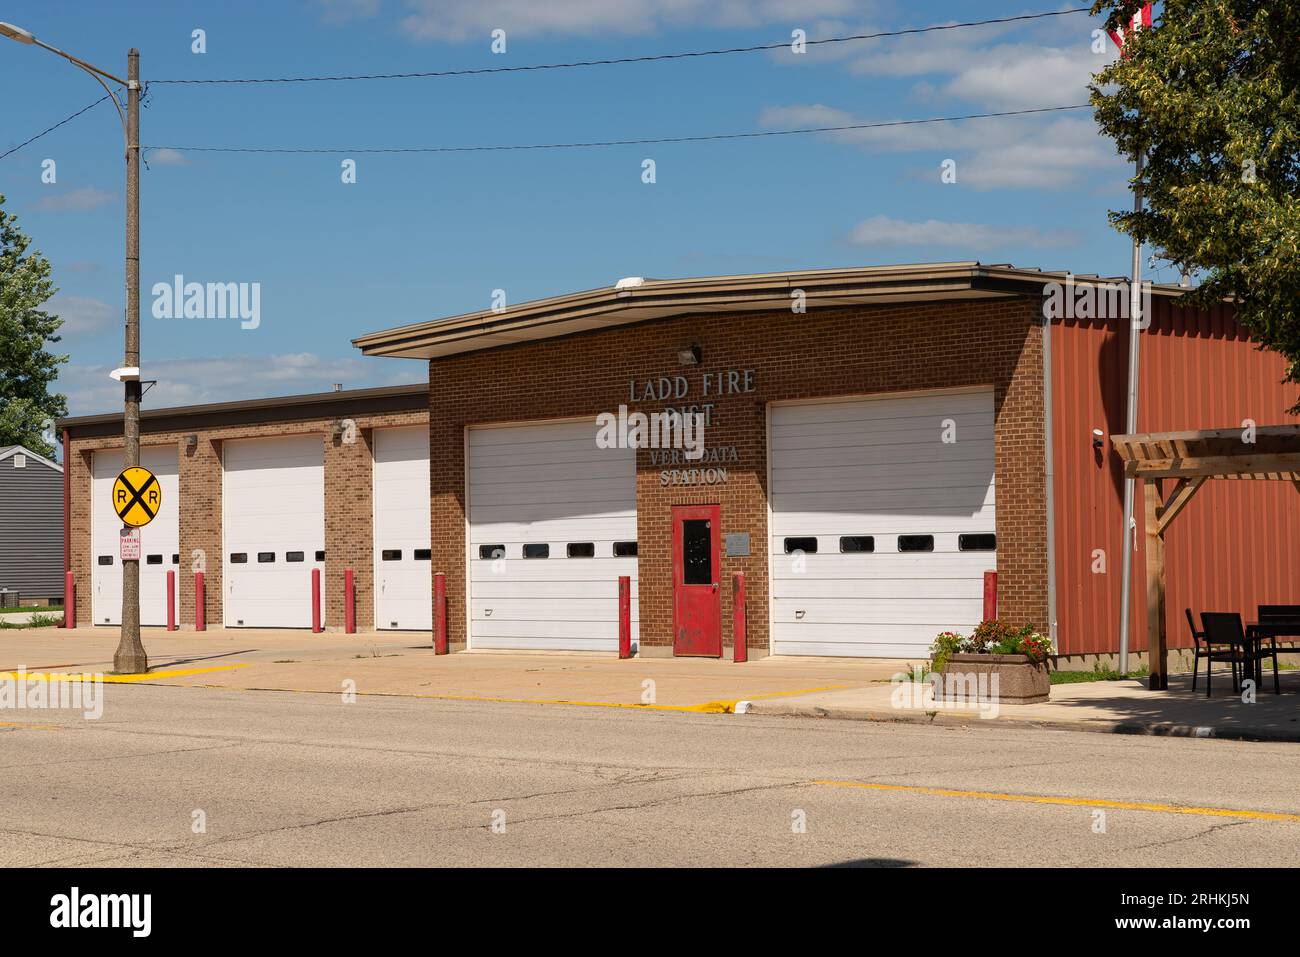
<point>630,282</point>
<point>20,461</point>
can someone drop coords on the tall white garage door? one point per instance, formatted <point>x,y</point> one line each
<point>159,540</point>
<point>403,576</point>
<point>881,529</point>
<point>552,526</point>
<point>273,499</point>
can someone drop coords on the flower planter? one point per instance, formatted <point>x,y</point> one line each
<point>1019,679</point>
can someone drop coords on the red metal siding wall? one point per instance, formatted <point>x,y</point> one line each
<point>1235,546</point>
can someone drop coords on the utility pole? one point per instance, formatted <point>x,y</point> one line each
<point>1129,540</point>
<point>130,657</point>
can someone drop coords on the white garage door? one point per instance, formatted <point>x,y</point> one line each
<point>881,529</point>
<point>403,576</point>
<point>159,540</point>
<point>273,499</point>
<point>552,526</point>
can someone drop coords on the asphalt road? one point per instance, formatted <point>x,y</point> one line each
<point>306,779</point>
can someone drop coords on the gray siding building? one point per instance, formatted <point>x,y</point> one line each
<point>31,526</point>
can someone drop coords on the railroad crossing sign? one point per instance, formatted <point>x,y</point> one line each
<point>137,496</point>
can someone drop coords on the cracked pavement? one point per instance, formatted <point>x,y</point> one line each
<point>305,779</point>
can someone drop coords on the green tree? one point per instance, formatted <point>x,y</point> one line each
<point>27,367</point>
<point>1210,92</point>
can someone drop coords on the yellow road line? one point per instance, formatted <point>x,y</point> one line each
<point>1070,801</point>
<point>29,726</point>
<point>111,678</point>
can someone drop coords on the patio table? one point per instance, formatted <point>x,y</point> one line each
<point>1271,629</point>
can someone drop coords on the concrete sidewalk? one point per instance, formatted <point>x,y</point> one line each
<point>397,663</point>
<point>403,664</point>
<point>1118,707</point>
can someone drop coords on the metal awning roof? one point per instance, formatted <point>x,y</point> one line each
<point>661,298</point>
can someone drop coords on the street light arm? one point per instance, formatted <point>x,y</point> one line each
<point>112,96</point>
<point>81,63</point>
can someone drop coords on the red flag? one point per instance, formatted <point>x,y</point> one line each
<point>1141,21</point>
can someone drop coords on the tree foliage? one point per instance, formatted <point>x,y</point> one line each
<point>1210,93</point>
<point>27,367</point>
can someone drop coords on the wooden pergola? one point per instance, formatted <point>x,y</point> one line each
<point>1190,459</point>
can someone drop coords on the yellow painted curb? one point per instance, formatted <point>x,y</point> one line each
<point>1070,801</point>
<point>111,678</point>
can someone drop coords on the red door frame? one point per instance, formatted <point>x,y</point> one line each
<point>697,609</point>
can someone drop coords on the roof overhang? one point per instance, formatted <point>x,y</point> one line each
<point>612,306</point>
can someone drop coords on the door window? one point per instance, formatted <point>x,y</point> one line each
<point>697,552</point>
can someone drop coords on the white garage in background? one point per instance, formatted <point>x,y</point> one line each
<point>403,575</point>
<point>273,500</point>
<point>552,526</point>
<point>880,530</point>
<point>159,540</point>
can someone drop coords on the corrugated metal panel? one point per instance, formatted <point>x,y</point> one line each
<point>1236,544</point>
<point>31,528</point>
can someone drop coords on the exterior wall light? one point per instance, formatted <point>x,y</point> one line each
<point>690,356</point>
<point>1098,439</point>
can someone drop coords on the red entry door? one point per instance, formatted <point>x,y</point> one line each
<point>697,602</point>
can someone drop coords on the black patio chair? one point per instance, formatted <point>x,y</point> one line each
<point>1205,648</point>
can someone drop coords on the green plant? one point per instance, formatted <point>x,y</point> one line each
<point>992,637</point>
<point>918,673</point>
<point>945,645</point>
<point>36,621</point>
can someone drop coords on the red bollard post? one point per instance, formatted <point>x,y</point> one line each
<point>315,601</point>
<point>69,600</point>
<point>349,603</point>
<point>439,614</point>
<point>200,603</point>
<point>624,616</point>
<point>171,600</point>
<point>739,628</point>
<point>990,595</point>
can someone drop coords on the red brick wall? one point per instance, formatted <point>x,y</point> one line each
<point>824,353</point>
<point>349,534</point>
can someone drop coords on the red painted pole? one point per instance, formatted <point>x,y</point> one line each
<point>439,614</point>
<point>624,616</point>
<point>200,603</point>
<point>349,603</point>
<point>990,595</point>
<point>315,601</point>
<point>739,629</point>
<point>69,597</point>
<point>171,600</point>
<point>69,600</point>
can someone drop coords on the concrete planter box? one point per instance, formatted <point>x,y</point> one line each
<point>1020,679</point>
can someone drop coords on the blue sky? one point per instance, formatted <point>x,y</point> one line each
<point>423,236</point>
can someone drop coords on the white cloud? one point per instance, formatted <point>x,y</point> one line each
<point>77,200</point>
<point>82,315</point>
<point>455,20</point>
<point>227,378</point>
<point>1049,151</point>
<point>166,156</point>
<point>884,231</point>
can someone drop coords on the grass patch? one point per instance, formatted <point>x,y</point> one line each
<point>37,621</point>
<point>1097,674</point>
<point>22,608</point>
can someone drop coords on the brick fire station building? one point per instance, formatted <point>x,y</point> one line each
<point>875,440</point>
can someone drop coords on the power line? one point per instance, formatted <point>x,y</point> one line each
<point>628,142</point>
<point>650,58</point>
<point>54,127</point>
